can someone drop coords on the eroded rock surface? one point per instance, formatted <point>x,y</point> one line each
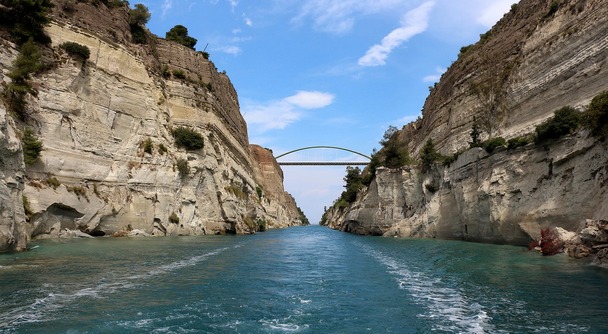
<point>94,117</point>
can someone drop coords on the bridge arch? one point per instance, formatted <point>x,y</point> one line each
<point>323,146</point>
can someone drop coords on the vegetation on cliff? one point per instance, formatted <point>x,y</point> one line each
<point>32,147</point>
<point>25,19</point>
<point>138,17</point>
<point>179,34</point>
<point>597,114</point>
<point>28,62</point>
<point>187,138</point>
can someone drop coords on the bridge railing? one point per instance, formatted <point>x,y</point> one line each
<point>323,163</point>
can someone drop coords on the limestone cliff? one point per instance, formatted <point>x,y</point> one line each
<point>538,58</point>
<point>95,117</point>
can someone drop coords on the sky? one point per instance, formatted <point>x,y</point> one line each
<point>328,72</point>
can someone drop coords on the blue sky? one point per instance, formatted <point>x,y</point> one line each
<point>328,72</point>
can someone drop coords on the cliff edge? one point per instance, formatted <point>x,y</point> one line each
<point>540,57</point>
<point>111,162</point>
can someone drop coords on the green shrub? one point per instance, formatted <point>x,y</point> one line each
<point>79,191</point>
<point>188,139</point>
<point>259,191</point>
<point>148,146</point>
<point>565,121</point>
<point>27,63</point>
<point>139,15</point>
<point>341,204</point>
<point>205,54</point>
<point>597,115</point>
<point>237,191</point>
<point>173,218</point>
<point>429,155</point>
<point>165,71</point>
<point>465,49</point>
<point>448,160</point>
<point>183,168</point>
<point>475,134</point>
<point>32,147</point>
<point>138,34</point>
<point>492,144</point>
<point>353,183</point>
<point>262,225</point>
<point>370,171</point>
<point>518,142</point>
<point>53,182</point>
<point>552,9</point>
<point>162,149</point>
<point>303,217</point>
<point>179,74</point>
<point>179,34</point>
<point>76,50</point>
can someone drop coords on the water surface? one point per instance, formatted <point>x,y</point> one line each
<point>297,280</point>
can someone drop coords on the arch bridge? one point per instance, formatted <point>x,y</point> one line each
<point>323,163</point>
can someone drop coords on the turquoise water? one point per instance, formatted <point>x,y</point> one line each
<point>298,280</point>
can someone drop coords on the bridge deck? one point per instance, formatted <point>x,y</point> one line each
<point>323,163</point>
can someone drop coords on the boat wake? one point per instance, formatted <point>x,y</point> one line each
<point>45,308</point>
<point>448,307</point>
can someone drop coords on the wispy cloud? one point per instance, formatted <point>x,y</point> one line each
<point>166,6</point>
<point>247,20</point>
<point>310,99</point>
<point>279,114</point>
<point>436,76</point>
<point>339,16</point>
<point>413,23</point>
<point>229,49</point>
<point>233,3</point>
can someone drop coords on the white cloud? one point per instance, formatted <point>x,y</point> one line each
<point>434,77</point>
<point>166,6</point>
<point>339,16</point>
<point>247,21</point>
<point>279,114</point>
<point>233,3</point>
<point>229,49</point>
<point>413,23</point>
<point>310,99</point>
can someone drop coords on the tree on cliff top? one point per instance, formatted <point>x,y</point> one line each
<point>140,15</point>
<point>179,34</point>
<point>352,184</point>
<point>393,153</point>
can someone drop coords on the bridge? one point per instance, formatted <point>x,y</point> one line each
<point>323,163</point>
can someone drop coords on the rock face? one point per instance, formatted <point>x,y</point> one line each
<point>547,58</point>
<point>94,117</point>
<point>506,197</point>
<point>532,62</point>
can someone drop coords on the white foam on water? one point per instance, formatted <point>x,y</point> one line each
<point>448,307</point>
<point>282,325</point>
<point>42,309</point>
